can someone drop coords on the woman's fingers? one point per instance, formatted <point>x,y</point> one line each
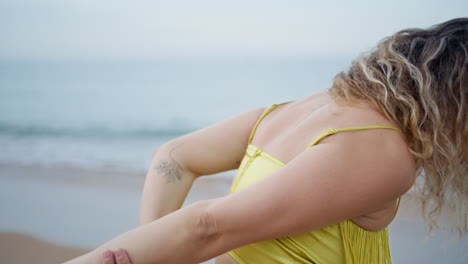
<point>122,257</point>
<point>108,257</point>
<point>118,257</point>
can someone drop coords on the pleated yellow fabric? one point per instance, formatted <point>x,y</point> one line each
<point>363,246</point>
<point>342,243</point>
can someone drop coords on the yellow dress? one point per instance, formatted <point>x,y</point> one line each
<point>344,242</point>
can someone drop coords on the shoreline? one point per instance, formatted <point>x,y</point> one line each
<point>73,175</point>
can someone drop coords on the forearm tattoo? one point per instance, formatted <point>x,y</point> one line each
<point>169,169</point>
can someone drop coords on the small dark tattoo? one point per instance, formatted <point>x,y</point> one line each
<point>169,169</point>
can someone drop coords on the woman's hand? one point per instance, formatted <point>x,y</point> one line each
<point>118,257</point>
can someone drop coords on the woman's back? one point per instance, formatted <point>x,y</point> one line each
<point>289,129</point>
<point>285,131</point>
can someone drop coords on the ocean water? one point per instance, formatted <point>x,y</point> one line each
<point>112,114</point>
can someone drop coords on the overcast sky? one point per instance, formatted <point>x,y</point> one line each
<point>70,29</point>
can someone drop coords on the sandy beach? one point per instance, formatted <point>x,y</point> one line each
<point>51,214</point>
<point>22,248</point>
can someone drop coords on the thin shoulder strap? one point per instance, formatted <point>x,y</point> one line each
<point>397,207</point>
<point>265,113</point>
<point>332,131</point>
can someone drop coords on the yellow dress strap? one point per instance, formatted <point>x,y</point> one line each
<point>265,113</point>
<point>397,207</point>
<point>332,131</point>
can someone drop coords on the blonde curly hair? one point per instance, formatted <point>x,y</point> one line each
<point>418,79</point>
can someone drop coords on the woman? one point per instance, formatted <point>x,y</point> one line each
<point>320,178</point>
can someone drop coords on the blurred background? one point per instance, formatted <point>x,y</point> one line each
<point>89,88</point>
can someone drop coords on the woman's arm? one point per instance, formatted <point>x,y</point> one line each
<point>175,238</point>
<point>166,185</point>
<point>308,193</point>
<point>176,164</point>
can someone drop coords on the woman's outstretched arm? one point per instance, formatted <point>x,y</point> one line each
<point>179,237</point>
<point>176,164</point>
<point>308,193</point>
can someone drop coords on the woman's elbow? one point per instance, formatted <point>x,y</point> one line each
<point>204,224</point>
<point>204,231</point>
